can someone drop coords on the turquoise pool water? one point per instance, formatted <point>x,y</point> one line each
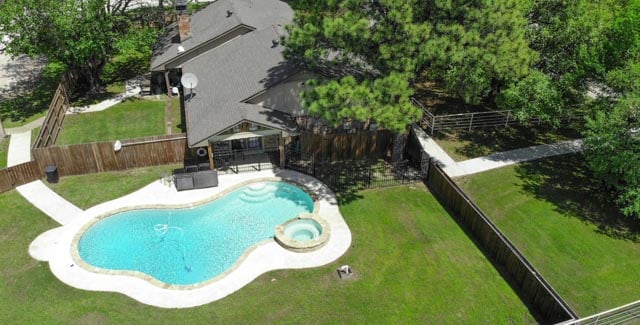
<point>188,246</point>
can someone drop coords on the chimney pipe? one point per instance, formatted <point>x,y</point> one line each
<point>184,26</point>
<point>229,13</point>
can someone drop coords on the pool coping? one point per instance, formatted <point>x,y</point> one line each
<point>56,245</point>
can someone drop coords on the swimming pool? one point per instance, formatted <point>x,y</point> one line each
<point>190,246</point>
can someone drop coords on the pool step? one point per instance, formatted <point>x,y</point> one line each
<point>257,193</point>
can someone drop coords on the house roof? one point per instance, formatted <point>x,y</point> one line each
<point>213,21</point>
<point>231,73</point>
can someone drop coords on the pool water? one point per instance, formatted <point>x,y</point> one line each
<point>188,246</point>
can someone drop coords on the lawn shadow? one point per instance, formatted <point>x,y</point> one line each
<point>567,182</point>
<point>504,273</point>
<point>482,142</point>
<point>31,93</point>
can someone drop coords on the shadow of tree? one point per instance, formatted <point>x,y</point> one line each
<point>482,142</point>
<point>567,182</point>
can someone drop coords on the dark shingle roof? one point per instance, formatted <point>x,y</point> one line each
<point>228,75</point>
<point>212,21</point>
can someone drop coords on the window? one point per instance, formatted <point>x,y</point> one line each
<point>236,128</point>
<point>253,127</point>
<point>254,143</point>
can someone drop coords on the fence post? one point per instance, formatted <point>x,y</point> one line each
<point>506,124</point>
<point>433,123</point>
<point>471,121</point>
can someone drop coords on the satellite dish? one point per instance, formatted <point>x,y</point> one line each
<point>189,80</point>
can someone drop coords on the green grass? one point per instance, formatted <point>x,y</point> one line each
<point>4,148</point>
<point>34,134</point>
<point>412,264</point>
<point>462,145</point>
<point>9,123</point>
<point>555,213</point>
<point>177,124</point>
<point>129,119</point>
<point>111,90</point>
<point>115,88</point>
<point>86,191</point>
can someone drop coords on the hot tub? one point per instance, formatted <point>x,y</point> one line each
<point>303,233</point>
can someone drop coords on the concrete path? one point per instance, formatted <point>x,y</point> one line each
<point>132,89</point>
<point>506,158</point>
<point>19,148</point>
<point>432,148</point>
<point>49,202</point>
<point>496,160</point>
<point>27,127</point>
<point>36,192</point>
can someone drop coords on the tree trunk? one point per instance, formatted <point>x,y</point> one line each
<point>89,76</point>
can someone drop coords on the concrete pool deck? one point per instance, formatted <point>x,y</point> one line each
<point>55,246</point>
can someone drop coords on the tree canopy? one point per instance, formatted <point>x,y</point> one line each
<point>476,47</point>
<point>536,57</point>
<point>81,34</point>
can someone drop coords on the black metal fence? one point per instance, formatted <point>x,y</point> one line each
<point>353,175</point>
<point>239,161</point>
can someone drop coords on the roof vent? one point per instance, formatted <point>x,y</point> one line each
<point>274,42</point>
<point>229,13</point>
<point>180,49</point>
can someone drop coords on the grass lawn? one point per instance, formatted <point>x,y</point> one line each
<point>110,91</point>
<point>129,119</point>
<point>462,145</point>
<point>86,191</point>
<point>553,211</point>
<point>34,134</point>
<point>4,148</point>
<point>178,123</point>
<point>9,123</point>
<point>412,264</point>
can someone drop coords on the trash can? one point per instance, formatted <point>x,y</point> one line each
<point>52,173</point>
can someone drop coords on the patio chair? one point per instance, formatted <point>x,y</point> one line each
<point>183,182</point>
<point>204,179</point>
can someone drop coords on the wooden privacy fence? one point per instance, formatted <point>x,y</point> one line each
<point>534,290</point>
<point>333,147</point>
<point>57,109</point>
<point>19,175</point>
<point>101,156</point>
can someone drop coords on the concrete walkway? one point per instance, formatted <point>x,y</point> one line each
<point>19,148</point>
<point>496,160</point>
<point>506,158</point>
<point>27,127</point>
<point>49,202</point>
<point>132,89</point>
<point>36,192</point>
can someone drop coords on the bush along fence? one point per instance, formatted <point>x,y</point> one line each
<point>57,109</point>
<point>531,286</point>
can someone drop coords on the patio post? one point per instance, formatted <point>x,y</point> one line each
<point>281,149</point>
<point>210,149</point>
<point>166,80</point>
